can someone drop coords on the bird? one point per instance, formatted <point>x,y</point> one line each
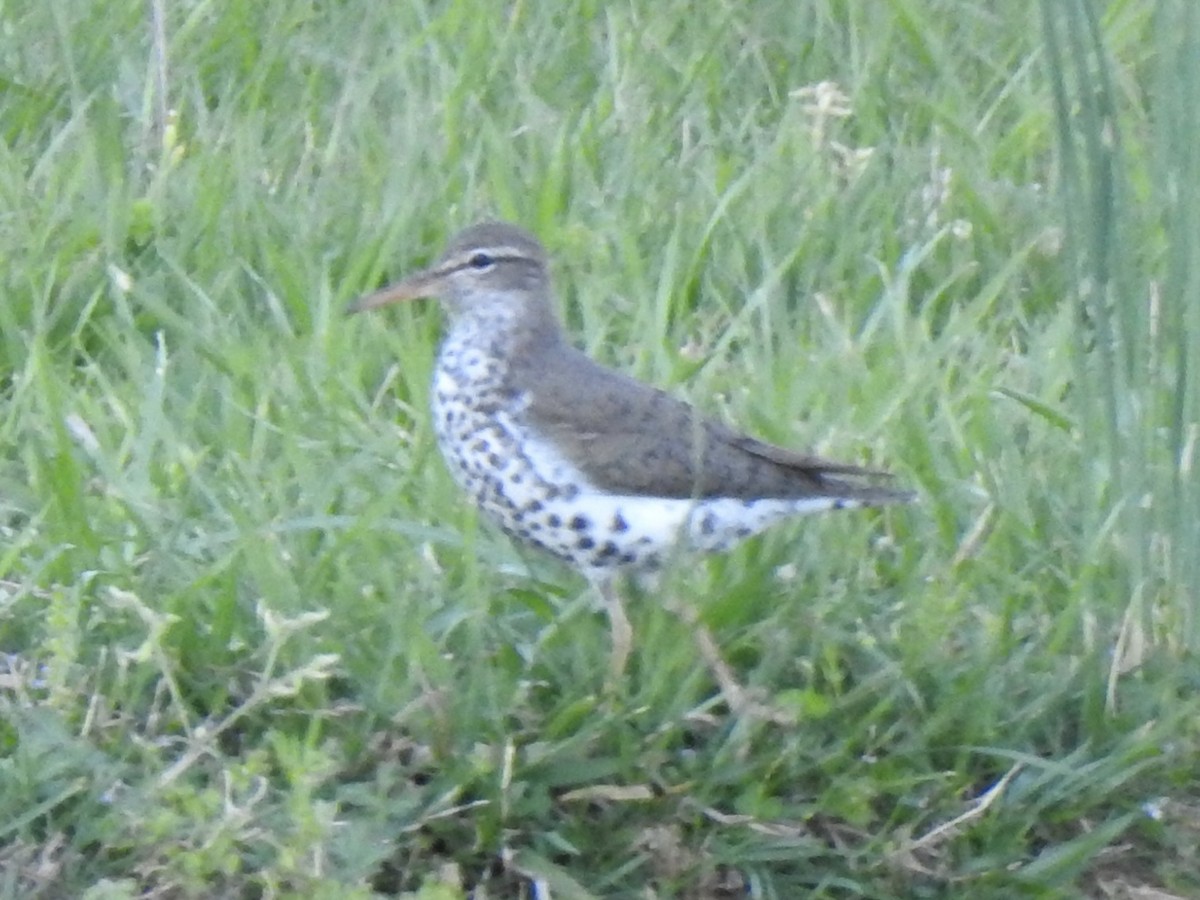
<point>600,470</point>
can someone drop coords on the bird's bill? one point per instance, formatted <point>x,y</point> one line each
<point>415,287</point>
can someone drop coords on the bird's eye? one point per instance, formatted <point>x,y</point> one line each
<point>482,261</point>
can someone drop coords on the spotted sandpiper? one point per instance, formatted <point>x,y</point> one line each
<point>605,472</point>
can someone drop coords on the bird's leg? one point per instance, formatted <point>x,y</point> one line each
<point>731,690</point>
<point>739,700</point>
<point>622,631</point>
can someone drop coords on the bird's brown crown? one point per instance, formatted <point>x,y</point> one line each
<point>488,260</point>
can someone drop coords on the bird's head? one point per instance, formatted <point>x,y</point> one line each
<point>488,269</point>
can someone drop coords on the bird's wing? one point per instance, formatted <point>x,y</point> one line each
<point>628,437</point>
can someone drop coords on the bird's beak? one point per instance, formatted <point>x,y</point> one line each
<point>414,287</point>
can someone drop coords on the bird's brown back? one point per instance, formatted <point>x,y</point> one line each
<point>631,438</point>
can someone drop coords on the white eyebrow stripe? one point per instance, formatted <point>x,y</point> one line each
<point>497,252</point>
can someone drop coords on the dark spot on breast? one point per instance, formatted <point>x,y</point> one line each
<point>553,520</point>
<point>619,524</point>
<point>708,524</point>
<point>580,523</point>
<point>585,543</point>
<point>608,551</point>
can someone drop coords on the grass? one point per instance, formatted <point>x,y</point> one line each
<point>255,644</point>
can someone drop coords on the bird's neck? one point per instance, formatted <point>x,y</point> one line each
<point>503,330</point>
<point>482,344</point>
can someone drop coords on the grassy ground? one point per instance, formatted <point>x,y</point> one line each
<point>254,643</point>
